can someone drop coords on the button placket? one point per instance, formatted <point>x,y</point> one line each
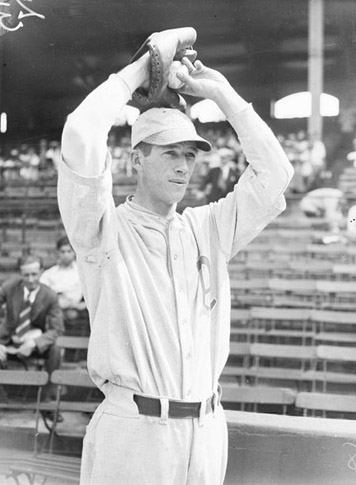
<point>178,271</point>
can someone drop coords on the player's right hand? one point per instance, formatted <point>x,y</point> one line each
<point>3,353</point>
<point>201,81</point>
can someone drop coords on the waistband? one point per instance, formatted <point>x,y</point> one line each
<point>150,406</point>
<point>161,407</point>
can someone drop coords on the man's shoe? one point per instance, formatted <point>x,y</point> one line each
<point>50,415</point>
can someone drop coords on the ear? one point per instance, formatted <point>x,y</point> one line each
<point>136,159</point>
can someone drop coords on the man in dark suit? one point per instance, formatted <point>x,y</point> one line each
<point>221,179</point>
<point>33,319</point>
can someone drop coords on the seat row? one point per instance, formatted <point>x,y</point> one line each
<point>315,269</point>
<point>297,250</point>
<point>308,403</point>
<point>304,368</point>
<point>305,326</point>
<point>44,464</point>
<point>305,293</point>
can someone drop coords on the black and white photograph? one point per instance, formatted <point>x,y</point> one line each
<point>178,242</point>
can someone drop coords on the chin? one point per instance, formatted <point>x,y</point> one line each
<point>178,196</point>
<point>176,200</point>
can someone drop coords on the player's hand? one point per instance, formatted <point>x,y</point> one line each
<point>3,353</point>
<point>16,340</point>
<point>27,348</point>
<point>201,81</point>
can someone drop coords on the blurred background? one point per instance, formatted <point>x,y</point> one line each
<point>281,55</point>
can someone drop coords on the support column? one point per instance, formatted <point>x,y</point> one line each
<point>315,66</point>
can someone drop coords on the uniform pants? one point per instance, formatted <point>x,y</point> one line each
<point>122,447</point>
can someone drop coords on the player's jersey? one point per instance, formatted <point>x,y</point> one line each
<point>157,289</point>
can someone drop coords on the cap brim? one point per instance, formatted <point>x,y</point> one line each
<point>166,138</point>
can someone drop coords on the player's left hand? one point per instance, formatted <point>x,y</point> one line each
<point>27,348</point>
<point>201,81</point>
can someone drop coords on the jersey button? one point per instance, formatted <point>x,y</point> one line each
<point>188,356</point>
<point>175,257</point>
<point>189,392</point>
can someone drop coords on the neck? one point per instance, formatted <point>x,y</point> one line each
<point>154,205</point>
<point>64,265</point>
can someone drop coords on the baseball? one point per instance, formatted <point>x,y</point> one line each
<point>173,81</point>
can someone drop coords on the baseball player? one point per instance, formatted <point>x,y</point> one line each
<point>156,282</point>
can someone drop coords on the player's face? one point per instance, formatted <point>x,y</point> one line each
<point>66,255</point>
<point>31,274</point>
<point>167,171</point>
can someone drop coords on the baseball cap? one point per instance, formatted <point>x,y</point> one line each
<point>166,126</point>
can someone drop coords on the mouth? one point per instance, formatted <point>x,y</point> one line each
<point>180,182</point>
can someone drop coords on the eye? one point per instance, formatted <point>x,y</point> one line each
<point>190,155</point>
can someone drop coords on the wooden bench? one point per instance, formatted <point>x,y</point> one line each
<point>331,358</point>
<point>281,362</point>
<point>319,401</point>
<point>78,346</point>
<point>40,464</point>
<point>61,468</point>
<point>270,362</point>
<point>71,379</point>
<point>269,324</point>
<point>24,379</point>
<point>330,323</point>
<point>50,465</point>
<point>256,395</point>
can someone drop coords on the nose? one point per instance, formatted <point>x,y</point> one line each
<point>181,171</point>
<point>182,167</point>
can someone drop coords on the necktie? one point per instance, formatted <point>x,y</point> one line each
<point>24,322</point>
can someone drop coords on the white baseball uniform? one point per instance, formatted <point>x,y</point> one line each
<point>158,295</point>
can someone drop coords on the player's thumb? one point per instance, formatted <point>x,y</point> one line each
<point>182,77</point>
<point>186,79</point>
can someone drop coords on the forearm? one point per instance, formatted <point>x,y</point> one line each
<point>48,338</point>
<point>84,139</point>
<point>262,149</point>
<point>5,338</point>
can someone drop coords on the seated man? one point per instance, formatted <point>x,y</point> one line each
<point>324,202</point>
<point>33,319</point>
<point>63,279</point>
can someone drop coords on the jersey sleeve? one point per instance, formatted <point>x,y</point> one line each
<point>87,209</point>
<point>84,177</point>
<point>244,213</point>
<point>258,197</point>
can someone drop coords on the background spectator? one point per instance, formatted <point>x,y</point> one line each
<point>324,202</point>
<point>351,156</point>
<point>63,279</point>
<point>222,176</point>
<point>33,319</point>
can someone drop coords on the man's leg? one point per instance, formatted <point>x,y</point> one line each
<point>52,362</point>
<point>209,451</point>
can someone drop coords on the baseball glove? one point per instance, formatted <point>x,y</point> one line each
<point>164,47</point>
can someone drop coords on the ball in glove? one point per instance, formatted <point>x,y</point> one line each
<point>173,81</point>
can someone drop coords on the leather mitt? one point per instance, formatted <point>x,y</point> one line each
<point>164,47</point>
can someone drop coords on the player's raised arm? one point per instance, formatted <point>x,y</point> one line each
<point>266,157</point>
<point>84,139</point>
